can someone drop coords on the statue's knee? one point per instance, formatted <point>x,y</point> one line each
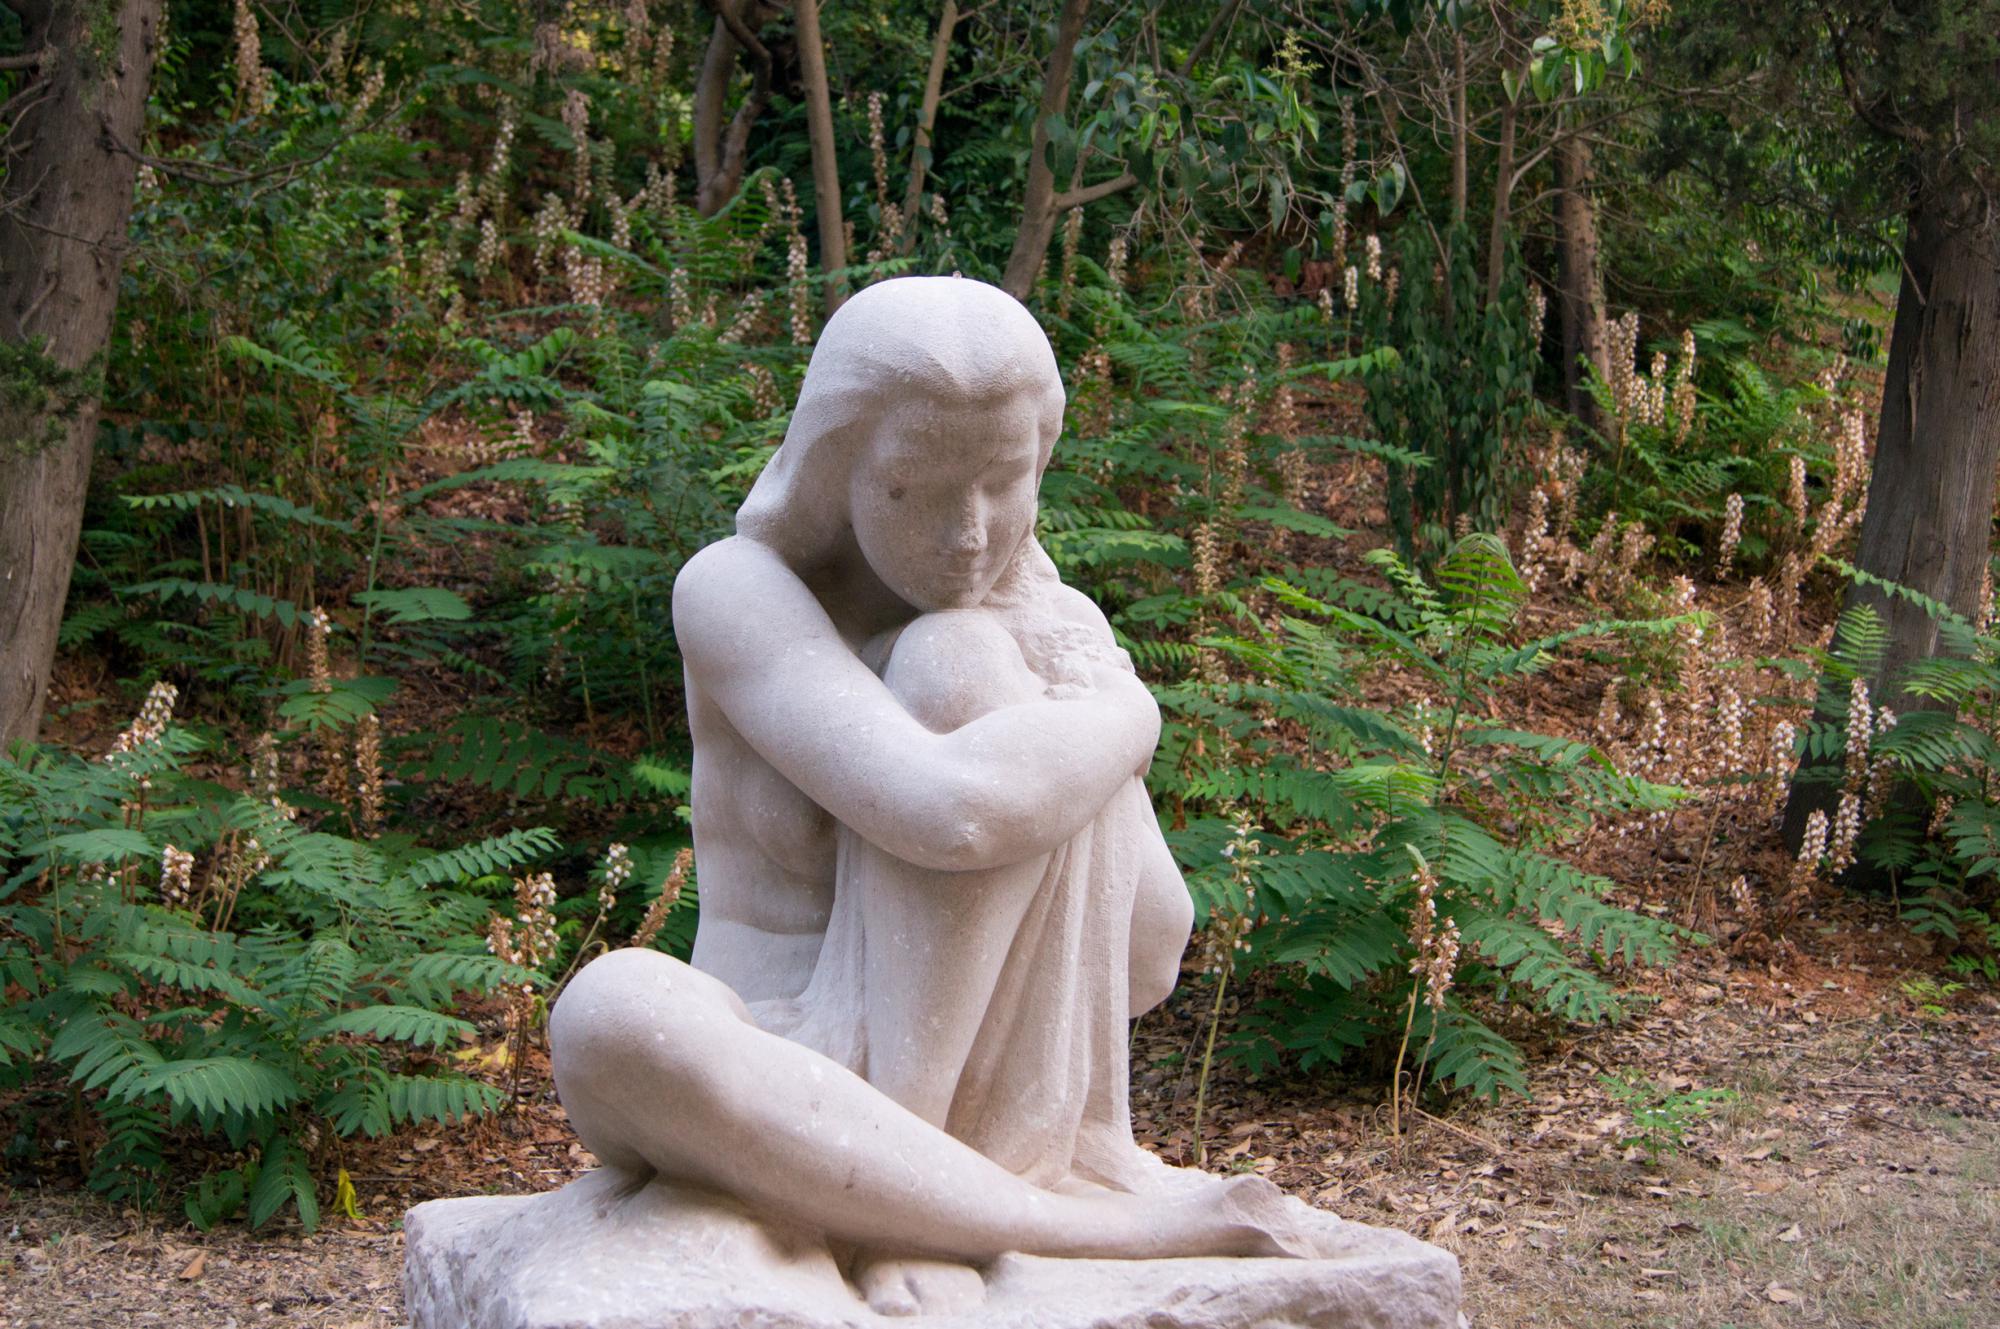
<point>952,667</point>
<point>641,1045</point>
<point>947,637</point>
<point>626,1007</point>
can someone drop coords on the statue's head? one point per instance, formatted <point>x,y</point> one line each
<point>923,427</point>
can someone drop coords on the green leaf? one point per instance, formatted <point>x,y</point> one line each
<point>216,1197</point>
<point>254,603</point>
<point>233,496</point>
<point>440,1097</point>
<point>417,604</point>
<point>283,1176</point>
<point>218,1086</point>
<point>109,844</point>
<point>402,1024</point>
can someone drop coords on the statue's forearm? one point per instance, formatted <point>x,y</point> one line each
<point>1023,780</point>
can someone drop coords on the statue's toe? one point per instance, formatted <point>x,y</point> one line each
<point>919,1287</point>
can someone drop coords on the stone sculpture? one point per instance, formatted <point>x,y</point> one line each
<point>933,892</point>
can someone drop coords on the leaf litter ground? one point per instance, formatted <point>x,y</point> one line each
<point>1855,1181</point>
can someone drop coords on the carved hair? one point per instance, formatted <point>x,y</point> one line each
<point>946,339</point>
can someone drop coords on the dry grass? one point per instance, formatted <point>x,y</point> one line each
<point>72,1263</point>
<point>1912,1244</point>
<point>1854,1180</point>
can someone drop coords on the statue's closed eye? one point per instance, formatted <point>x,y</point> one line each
<point>896,493</point>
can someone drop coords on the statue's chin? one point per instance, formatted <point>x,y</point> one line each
<point>942,598</point>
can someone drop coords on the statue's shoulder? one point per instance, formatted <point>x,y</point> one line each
<point>725,592</point>
<point>720,574</point>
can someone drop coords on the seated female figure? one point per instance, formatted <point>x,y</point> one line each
<point>933,890</point>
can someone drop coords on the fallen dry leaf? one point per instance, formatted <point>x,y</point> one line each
<point>1781,1295</point>
<point>194,1267</point>
<point>1791,1234</point>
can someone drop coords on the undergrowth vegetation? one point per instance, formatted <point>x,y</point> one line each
<point>1404,854</point>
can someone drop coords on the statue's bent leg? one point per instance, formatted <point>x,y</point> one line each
<point>927,994</point>
<point>1162,918</point>
<point>662,1071</point>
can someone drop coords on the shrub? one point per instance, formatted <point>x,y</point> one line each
<point>1382,831</point>
<point>1460,389</point>
<point>1924,779</point>
<point>193,961</point>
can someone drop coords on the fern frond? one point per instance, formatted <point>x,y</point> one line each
<point>1470,1056</point>
<point>284,1176</point>
<point>439,1097</point>
<point>402,1024</point>
<point>497,853</point>
<point>214,1087</point>
<point>235,496</point>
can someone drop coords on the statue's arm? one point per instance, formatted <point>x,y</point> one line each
<point>1013,783</point>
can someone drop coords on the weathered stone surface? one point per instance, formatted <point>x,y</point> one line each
<point>601,1255</point>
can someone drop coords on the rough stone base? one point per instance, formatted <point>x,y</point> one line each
<point>597,1255</point>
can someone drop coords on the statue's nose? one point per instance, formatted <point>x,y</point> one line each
<point>968,531</point>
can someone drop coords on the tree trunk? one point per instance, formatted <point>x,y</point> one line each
<point>1038,200</point>
<point>1581,283</point>
<point>825,166</point>
<point>920,148</point>
<point>64,206</point>
<point>1461,132</point>
<point>1929,523</point>
<point>1503,199</point>
<point>1041,205</point>
<point>721,151</point>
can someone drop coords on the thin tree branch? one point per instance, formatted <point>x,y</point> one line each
<point>1837,36</point>
<point>1077,198</point>
<point>737,29</point>
<point>202,173</point>
<point>1208,36</point>
<point>920,145</point>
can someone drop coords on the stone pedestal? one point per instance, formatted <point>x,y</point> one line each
<point>596,1255</point>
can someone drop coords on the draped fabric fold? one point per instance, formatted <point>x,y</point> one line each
<point>1043,1091</point>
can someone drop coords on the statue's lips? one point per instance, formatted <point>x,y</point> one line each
<point>961,570</point>
<point>951,587</point>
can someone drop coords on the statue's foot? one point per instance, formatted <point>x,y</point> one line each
<point>910,1286</point>
<point>1251,1216</point>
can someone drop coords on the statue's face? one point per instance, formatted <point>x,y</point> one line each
<point>943,497</point>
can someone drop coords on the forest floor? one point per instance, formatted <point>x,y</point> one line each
<point>1850,1176</point>
<point>1853,1180</point>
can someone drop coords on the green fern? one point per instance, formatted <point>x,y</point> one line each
<point>523,762</point>
<point>331,1003</point>
<point>1335,919</point>
<point>284,1177</point>
<point>402,1024</point>
<point>440,1097</point>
